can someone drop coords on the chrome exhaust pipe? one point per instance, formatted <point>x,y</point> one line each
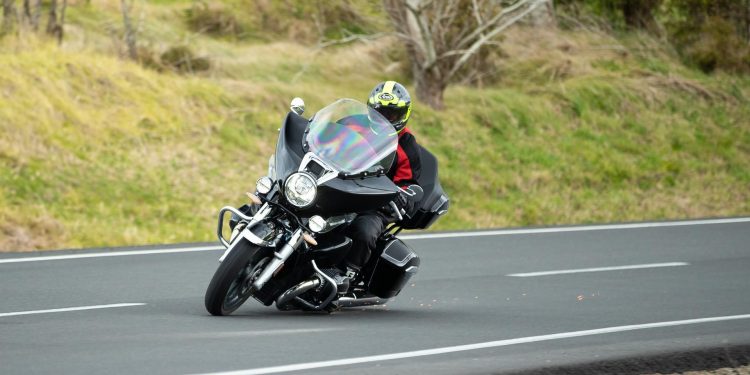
<point>292,293</point>
<point>358,302</point>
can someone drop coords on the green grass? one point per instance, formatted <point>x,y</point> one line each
<point>99,151</point>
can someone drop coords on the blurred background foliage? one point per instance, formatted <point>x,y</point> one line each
<point>131,122</point>
<point>709,34</point>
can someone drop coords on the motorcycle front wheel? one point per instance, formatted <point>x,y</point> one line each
<point>232,282</point>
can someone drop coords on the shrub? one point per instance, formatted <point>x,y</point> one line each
<point>150,59</point>
<point>213,20</point>
<point>183,60</point>
<point>713,45</point>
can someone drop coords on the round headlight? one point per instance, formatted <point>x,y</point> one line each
<point>300,189</point>
<point>264,185</point>
<point>316,224</point>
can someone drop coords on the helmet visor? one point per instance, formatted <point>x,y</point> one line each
<point>393,114</point>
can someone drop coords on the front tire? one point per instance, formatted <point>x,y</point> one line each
<point>231,284</point>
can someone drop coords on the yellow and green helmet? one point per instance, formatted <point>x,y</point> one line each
<point>391,99</point>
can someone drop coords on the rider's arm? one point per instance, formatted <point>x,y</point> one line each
<point>409,165</point>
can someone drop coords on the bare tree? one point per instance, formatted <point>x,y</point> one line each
<point>9,15</point>
<point>26,10</point>
<point>544,15</point>
<point>36,14</point>
<point>129,31</point>
<point>56,23</point>
<point>52,25</point>
<point>443,36</point>
<point>61,26</point>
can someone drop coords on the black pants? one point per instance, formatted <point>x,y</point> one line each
<point>364,232</point>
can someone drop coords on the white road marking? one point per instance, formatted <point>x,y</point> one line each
<point>239,334</point>
<point>426,236</point>
<point>599,269</point>
<point>582,228</point>
<point>66,309</point>
<point>483,345</point>
<point>112,254</point>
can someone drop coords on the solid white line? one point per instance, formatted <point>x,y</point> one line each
<point>238,334</point>
<point>66,309</point>
<point>483,345</point>
<point>583,228</point>
<point>426,236</point>
<point>599,269</point>
<point>112,254</point>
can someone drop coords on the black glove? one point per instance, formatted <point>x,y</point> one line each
<point>405,203</point>
<point>402,201</point>
<point>389,211</point>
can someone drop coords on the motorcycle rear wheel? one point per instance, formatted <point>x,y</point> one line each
<point>231,284</point>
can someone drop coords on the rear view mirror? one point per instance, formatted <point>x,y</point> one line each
<point>298,106</point>
<point>416,192</point>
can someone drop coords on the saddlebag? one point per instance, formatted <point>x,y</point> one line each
<point>393,269</point>
<point>435,202</point>
<point>428,213</point>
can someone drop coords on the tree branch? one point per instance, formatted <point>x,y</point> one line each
<point>129,32</point>
<point>487,37</point>
<point>61,30</point>
<point>427,40</point>
<point>353,38</point>
<point>491,23</point>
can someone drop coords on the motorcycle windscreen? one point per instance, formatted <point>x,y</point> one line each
<point>352,137</point>
<point>289,150</point>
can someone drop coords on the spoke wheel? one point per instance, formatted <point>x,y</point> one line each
<point>232,282</point>
<point>242,287</point>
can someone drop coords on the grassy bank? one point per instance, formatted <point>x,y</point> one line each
<point>96,150</point>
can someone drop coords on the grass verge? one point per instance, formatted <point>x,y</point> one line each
<point>580,128</point>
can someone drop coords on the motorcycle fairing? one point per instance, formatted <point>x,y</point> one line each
<point>338,197</point>
<point>289,150</point>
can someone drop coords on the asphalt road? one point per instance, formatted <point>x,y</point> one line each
<point>691,280</point>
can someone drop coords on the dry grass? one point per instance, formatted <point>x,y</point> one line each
<point>742,370</point>
<point>99,151</point>
<point>93,141</point>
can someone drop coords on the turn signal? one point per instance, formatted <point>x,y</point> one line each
<point>309,239</point>
<point>253,198</point>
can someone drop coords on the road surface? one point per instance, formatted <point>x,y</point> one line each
<point>483,302</point>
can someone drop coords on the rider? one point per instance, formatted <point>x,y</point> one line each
<point>391,100</point>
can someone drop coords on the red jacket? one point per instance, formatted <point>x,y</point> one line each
<point>407,168</point>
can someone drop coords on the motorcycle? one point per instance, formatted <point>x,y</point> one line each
<point>285,246</point>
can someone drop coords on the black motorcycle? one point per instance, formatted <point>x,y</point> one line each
<point>284,247</point>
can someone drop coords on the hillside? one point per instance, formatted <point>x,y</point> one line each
<point>579,127</point>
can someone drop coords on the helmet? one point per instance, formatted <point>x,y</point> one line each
<point>391,99</point>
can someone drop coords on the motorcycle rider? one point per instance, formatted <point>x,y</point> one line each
<point>392,100</point>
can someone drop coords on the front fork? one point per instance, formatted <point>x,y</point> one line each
<point>279,257</point>
<point>262,213</point>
